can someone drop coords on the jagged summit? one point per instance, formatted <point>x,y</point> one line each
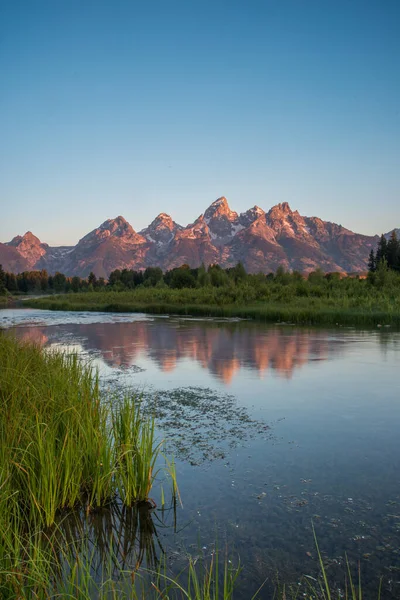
<point>161,230</point>
<point>116,228</point>
<point>162,219</point>
<point>219,208</point>
<point>222,201</point>
<point>260,240</point>
<point>29,247</point>
<point>251,215</point>
<point>27,237</point>
<point>283,208</point>
<point>115,224</point>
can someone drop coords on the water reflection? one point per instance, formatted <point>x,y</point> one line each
<point>221,348</point>
<point>331,457</point>
<point>126,535</point>
<point>106,545</point>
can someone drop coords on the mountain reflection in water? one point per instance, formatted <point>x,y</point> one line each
<point>221,348</point>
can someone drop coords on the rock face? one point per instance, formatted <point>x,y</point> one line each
<point>261,240</point>
<point>113,245</point>
<point>29,247</point>
<point>396,231</point>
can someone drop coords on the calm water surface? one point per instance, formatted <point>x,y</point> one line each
<point>273,428</point>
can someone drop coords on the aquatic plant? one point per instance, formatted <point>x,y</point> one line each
<point>61,445</point>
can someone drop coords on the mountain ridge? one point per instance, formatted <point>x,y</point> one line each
<point>261,240</point>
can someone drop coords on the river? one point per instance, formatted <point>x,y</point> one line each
<point>275,429</point>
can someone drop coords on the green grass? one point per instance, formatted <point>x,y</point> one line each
<point>61,445</point>
<point>347,302</point>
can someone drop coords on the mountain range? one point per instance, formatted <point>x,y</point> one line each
<point>261,240</point>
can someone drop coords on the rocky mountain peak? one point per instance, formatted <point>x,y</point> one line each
<point>29,247</point>
<point>389,234</point>
<point>220,202</point>
<point>219,208</point>
<point>27,238</point>
<point>251,215</point>
<point>162,230</point>
<point>261,241</point>
<point>162,220</point>
<point>223,223</point>
<point>280,210</point>
<point>117,228</point>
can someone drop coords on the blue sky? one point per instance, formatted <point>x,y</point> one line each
<point>135,108</point>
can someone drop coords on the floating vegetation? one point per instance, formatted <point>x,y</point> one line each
<point>201,425</point>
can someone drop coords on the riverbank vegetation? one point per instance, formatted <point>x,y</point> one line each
<point>60,445</point>
<point>280,297</point>
<point>63,448</point>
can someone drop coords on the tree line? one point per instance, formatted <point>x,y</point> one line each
<point>381,263</point>
<point>31,282</point>
<point>387,255</point>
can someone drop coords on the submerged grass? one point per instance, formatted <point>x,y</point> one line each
<point>321,588</point>
<point>350,302</point>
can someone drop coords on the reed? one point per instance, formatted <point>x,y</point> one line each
<point>61,445</point>
<point>135,452</point>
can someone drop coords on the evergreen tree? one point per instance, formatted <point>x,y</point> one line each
<point>92,279</point>
<point>381,252</point>
<point>75,283</point>
<point>44,280</point>
<point>2,280</point>
<point>59,281</point>
<point>393,251</point>
<point>371,261</point>
<point>115,276</point>
<point>11,282</point>
<point>152,276</point>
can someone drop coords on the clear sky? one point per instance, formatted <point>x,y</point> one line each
<point>136,108</point>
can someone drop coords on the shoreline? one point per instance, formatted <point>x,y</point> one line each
<point>266,313</point>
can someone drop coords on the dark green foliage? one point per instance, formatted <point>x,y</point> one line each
<point>75,284</point>
<point>328,300</point>
<point>59,280</point>
<point>393,252</point>
<point>2,281</point>
<point>371,261</point>
<point>92,279</point>
<point>316,276</point>
<point>152,276</point>
<point>387,257</point>
<point>182,278</point>
<point>381,252</point>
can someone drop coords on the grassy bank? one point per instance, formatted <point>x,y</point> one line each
<point>351,302</point>
<point>60,446</point>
